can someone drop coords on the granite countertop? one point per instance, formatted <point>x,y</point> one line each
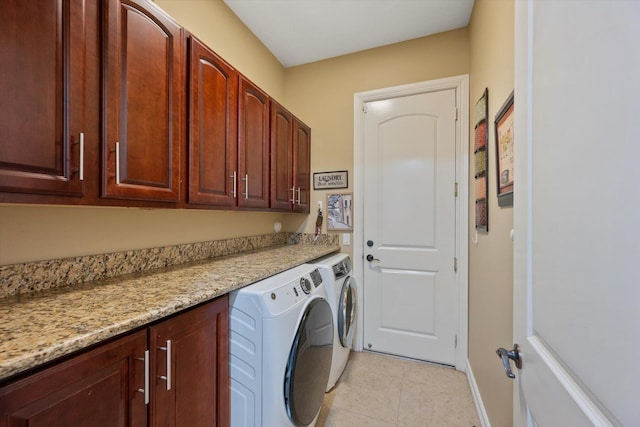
<point>42,326</point>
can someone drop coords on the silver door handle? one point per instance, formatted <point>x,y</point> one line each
<point>235,183</point>
<point>298,202</point>
<point>117,163</point>
<point>167,378</point>
<point>246,186</point>
<point>145,390</point>
<point>293,195</point>
<point>81,156</point>
<point>370,258</point>
<point>506,355</point>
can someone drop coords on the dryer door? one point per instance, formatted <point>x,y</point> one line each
<point>309,363</point>
<point>347,312</point>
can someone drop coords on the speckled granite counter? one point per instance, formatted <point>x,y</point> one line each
<point>42,326</point>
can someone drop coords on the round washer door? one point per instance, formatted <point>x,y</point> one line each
<point>309,363</point>
<point>347,312</point>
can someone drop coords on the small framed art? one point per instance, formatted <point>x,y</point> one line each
<point>504,153</point>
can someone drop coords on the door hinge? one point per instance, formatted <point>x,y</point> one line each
<point>456,114</point>
<point>364,108</point>
<point>455,189</point>
<point>455,344</point>
<point>455,264</point>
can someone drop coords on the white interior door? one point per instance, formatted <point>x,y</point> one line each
<point>410,294</point>
<point>577,227</point>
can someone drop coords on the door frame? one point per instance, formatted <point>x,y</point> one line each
<point>461,85</point>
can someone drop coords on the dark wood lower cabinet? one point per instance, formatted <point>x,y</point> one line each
<point>190,368</point>
<point>95,389</point>
<point>104,387</point>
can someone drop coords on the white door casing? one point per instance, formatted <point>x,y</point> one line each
<point>393,263</point>
<point>576,242</point>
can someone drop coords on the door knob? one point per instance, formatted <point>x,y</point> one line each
<point>371,258</point>
<point>514,355</point>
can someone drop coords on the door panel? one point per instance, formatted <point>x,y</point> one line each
<point>213,143</point>
<point>302,166</point>
<point>282,191</point>
<point>409,174</point>
<point>142,50</point>
<point>43,72</point>
<point>576,245</point>
<point>253,146</point>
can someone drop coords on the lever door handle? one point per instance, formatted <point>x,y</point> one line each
<point>506,355</point>
<point>371,258</point>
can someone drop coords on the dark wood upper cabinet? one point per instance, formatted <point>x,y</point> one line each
<point>142,96</point>
<point>290,161</point>
<point>43,94</point>
<point>98,388</point>
<point>190,366</point>
<point>253,147</point>
<point>301,166</point>
<point>213,127</point>
<point>282,190</point>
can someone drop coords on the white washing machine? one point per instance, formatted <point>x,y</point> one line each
<point>342,292</point>
<point>280,348</point>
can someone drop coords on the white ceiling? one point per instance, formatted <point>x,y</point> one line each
<point>302,31</point>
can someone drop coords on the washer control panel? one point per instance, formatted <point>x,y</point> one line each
<point>290,293</point>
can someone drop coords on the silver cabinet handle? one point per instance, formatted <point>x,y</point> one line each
<point>168,377</point>
<point>145,390</point>
<point>117,163</point>
<point>513,355</point>
<point>81,156</point>
<point>235,182</point>
<point>293,195</point>
<point>298,202</point>
<point>246,186</point>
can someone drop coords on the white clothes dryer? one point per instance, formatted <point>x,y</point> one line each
<point>342,291</point>
<point>280,348</point>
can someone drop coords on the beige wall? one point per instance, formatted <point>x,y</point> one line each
<point>219,28</point>
<point>321,94</point>
<point>35,233</point>
<point>490,261</point>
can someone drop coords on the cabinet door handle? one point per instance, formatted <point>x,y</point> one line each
<point>246,186</point>
<point>81,156</point>
<point>145,390</point>
<point>168,377</point>
<point>298,202</point>
<point>293,195</point>
<point>117,163</point>
<point>235,183</point>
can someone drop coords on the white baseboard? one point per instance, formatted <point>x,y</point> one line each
<point>477,399</point>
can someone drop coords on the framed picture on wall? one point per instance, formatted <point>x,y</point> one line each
<point>339,212</point>
<point>504,153</point>
<point>481,161</point>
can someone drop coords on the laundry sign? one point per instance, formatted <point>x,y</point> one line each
<point>330,180</point>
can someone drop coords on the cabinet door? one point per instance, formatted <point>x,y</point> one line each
<point>253,146</point>
<point>190,367</point>
<point>301,165</point>
<point>142,50</point>
<point>42,95</point>
<point>282,189</point>
<point>95,389</point>
<point>213,130</point>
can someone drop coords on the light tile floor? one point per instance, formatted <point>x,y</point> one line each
<point>384,391</point>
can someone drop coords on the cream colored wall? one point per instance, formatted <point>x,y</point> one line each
<point>35,233</point>
<point>219,28</point>
<point>321,94</point>
<point>491,260</point>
